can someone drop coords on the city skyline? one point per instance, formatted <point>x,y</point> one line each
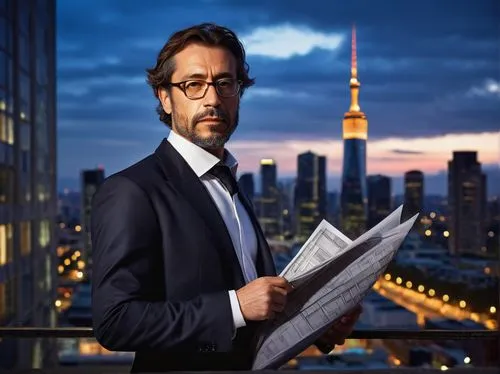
<point>428,92</point>
<point>445,274</point>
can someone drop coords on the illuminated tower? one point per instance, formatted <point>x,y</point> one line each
<point>353,198</point>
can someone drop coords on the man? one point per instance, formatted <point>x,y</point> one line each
<point>182,272</point>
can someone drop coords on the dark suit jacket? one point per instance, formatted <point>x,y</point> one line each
<point>163,263</point>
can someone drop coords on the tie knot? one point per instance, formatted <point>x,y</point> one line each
<point>225,176</point>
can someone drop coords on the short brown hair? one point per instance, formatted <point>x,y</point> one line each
<point>206,33</point>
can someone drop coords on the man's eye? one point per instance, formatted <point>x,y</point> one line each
<point>193,85</point>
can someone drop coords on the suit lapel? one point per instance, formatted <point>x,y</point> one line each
<point>265,263</point>
<point>189,185</point>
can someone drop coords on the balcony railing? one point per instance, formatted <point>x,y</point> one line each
<point>87,332</point>
<point>383,334</point>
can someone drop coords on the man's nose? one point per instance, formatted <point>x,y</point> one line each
<point>211,97</point>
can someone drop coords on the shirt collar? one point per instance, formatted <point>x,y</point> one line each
<point>197,158</point>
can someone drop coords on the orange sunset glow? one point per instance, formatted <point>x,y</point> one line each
<point>426,153</point>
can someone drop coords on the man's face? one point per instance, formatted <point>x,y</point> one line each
<point>207,122</point>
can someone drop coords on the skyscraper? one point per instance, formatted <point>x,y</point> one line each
<point>332,208</point>
<point>90,181</point>
<point>286,189</point>
<point>310,193</point>
<point>269,212</point>
<point>353,198</point>
<point>492,227</point>
<point>467,203</point>
<point>379,198</point>
<point>247,184</point>
<point>28,198</point>
<point>414,193</point>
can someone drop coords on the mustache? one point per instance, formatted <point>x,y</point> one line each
<point>212,113</point>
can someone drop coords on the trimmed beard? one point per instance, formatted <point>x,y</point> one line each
<point>214,141</point>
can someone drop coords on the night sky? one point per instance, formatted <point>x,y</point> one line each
<point>429,73</point>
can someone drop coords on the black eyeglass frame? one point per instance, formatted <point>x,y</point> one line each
<point>182,86</point>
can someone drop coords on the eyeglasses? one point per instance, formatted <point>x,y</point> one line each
<point>196,88</point>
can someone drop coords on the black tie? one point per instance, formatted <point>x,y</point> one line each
<point>223,173</point>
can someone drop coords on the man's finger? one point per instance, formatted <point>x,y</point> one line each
<point>277,307</point>
<point>279,297</point>
<point>278,281</point>
<point>282,283</point>
<point>280,290</point>
<point>352,315</point>
<point>356,310</point>
<point>340,341</point>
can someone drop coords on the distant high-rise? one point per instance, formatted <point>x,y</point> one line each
<point>90,181</point>
<point>414,193</point>
<point>310,193</point>
<point>353,198</point>
<point>332,207</point>
<point>492,245</point>
<point>286,188</point>
<point>247,184</point>
<point>379,198</point>
<point>28,190</point>
<point>467,203</point>
<point>269,212</point>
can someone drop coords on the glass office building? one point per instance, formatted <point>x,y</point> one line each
<point>28,201</point>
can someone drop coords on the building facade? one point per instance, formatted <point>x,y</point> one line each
<point>379,198</point>
<point>247,184</point>
<point>310,194</point>
<point>466,203</point>
<point>28,199</point>
<point>414,193</point>
<point>90,181</point>
<point>269,203</point>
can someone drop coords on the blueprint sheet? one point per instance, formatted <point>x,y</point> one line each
<point>330,274</point>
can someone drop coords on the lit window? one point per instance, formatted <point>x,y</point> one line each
<point>6,244</point>
<point>25,238</point>
<point>3,244</point>
<point>44,235</point>
<point>10,243</point>
<point>10,130</point>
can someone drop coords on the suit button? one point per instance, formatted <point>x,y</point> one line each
<point>206,347</point>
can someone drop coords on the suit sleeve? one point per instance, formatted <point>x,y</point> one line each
<point>126,316</point>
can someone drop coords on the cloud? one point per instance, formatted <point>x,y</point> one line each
<point>270,92</point>
<point>285,41</point>
<point>417,82</point>
<point>490,87</point>
<point>86,84</point>
<point>117,142</point>
<point>406,152</point>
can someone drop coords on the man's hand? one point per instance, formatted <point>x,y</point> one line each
<point>263,297</point>
<point>341,328</point>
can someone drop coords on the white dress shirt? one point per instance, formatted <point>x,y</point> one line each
<point>235,216</point>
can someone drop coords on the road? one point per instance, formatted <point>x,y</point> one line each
<point>425,306</point>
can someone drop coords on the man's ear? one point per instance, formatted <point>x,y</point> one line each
<point>166,102</point>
